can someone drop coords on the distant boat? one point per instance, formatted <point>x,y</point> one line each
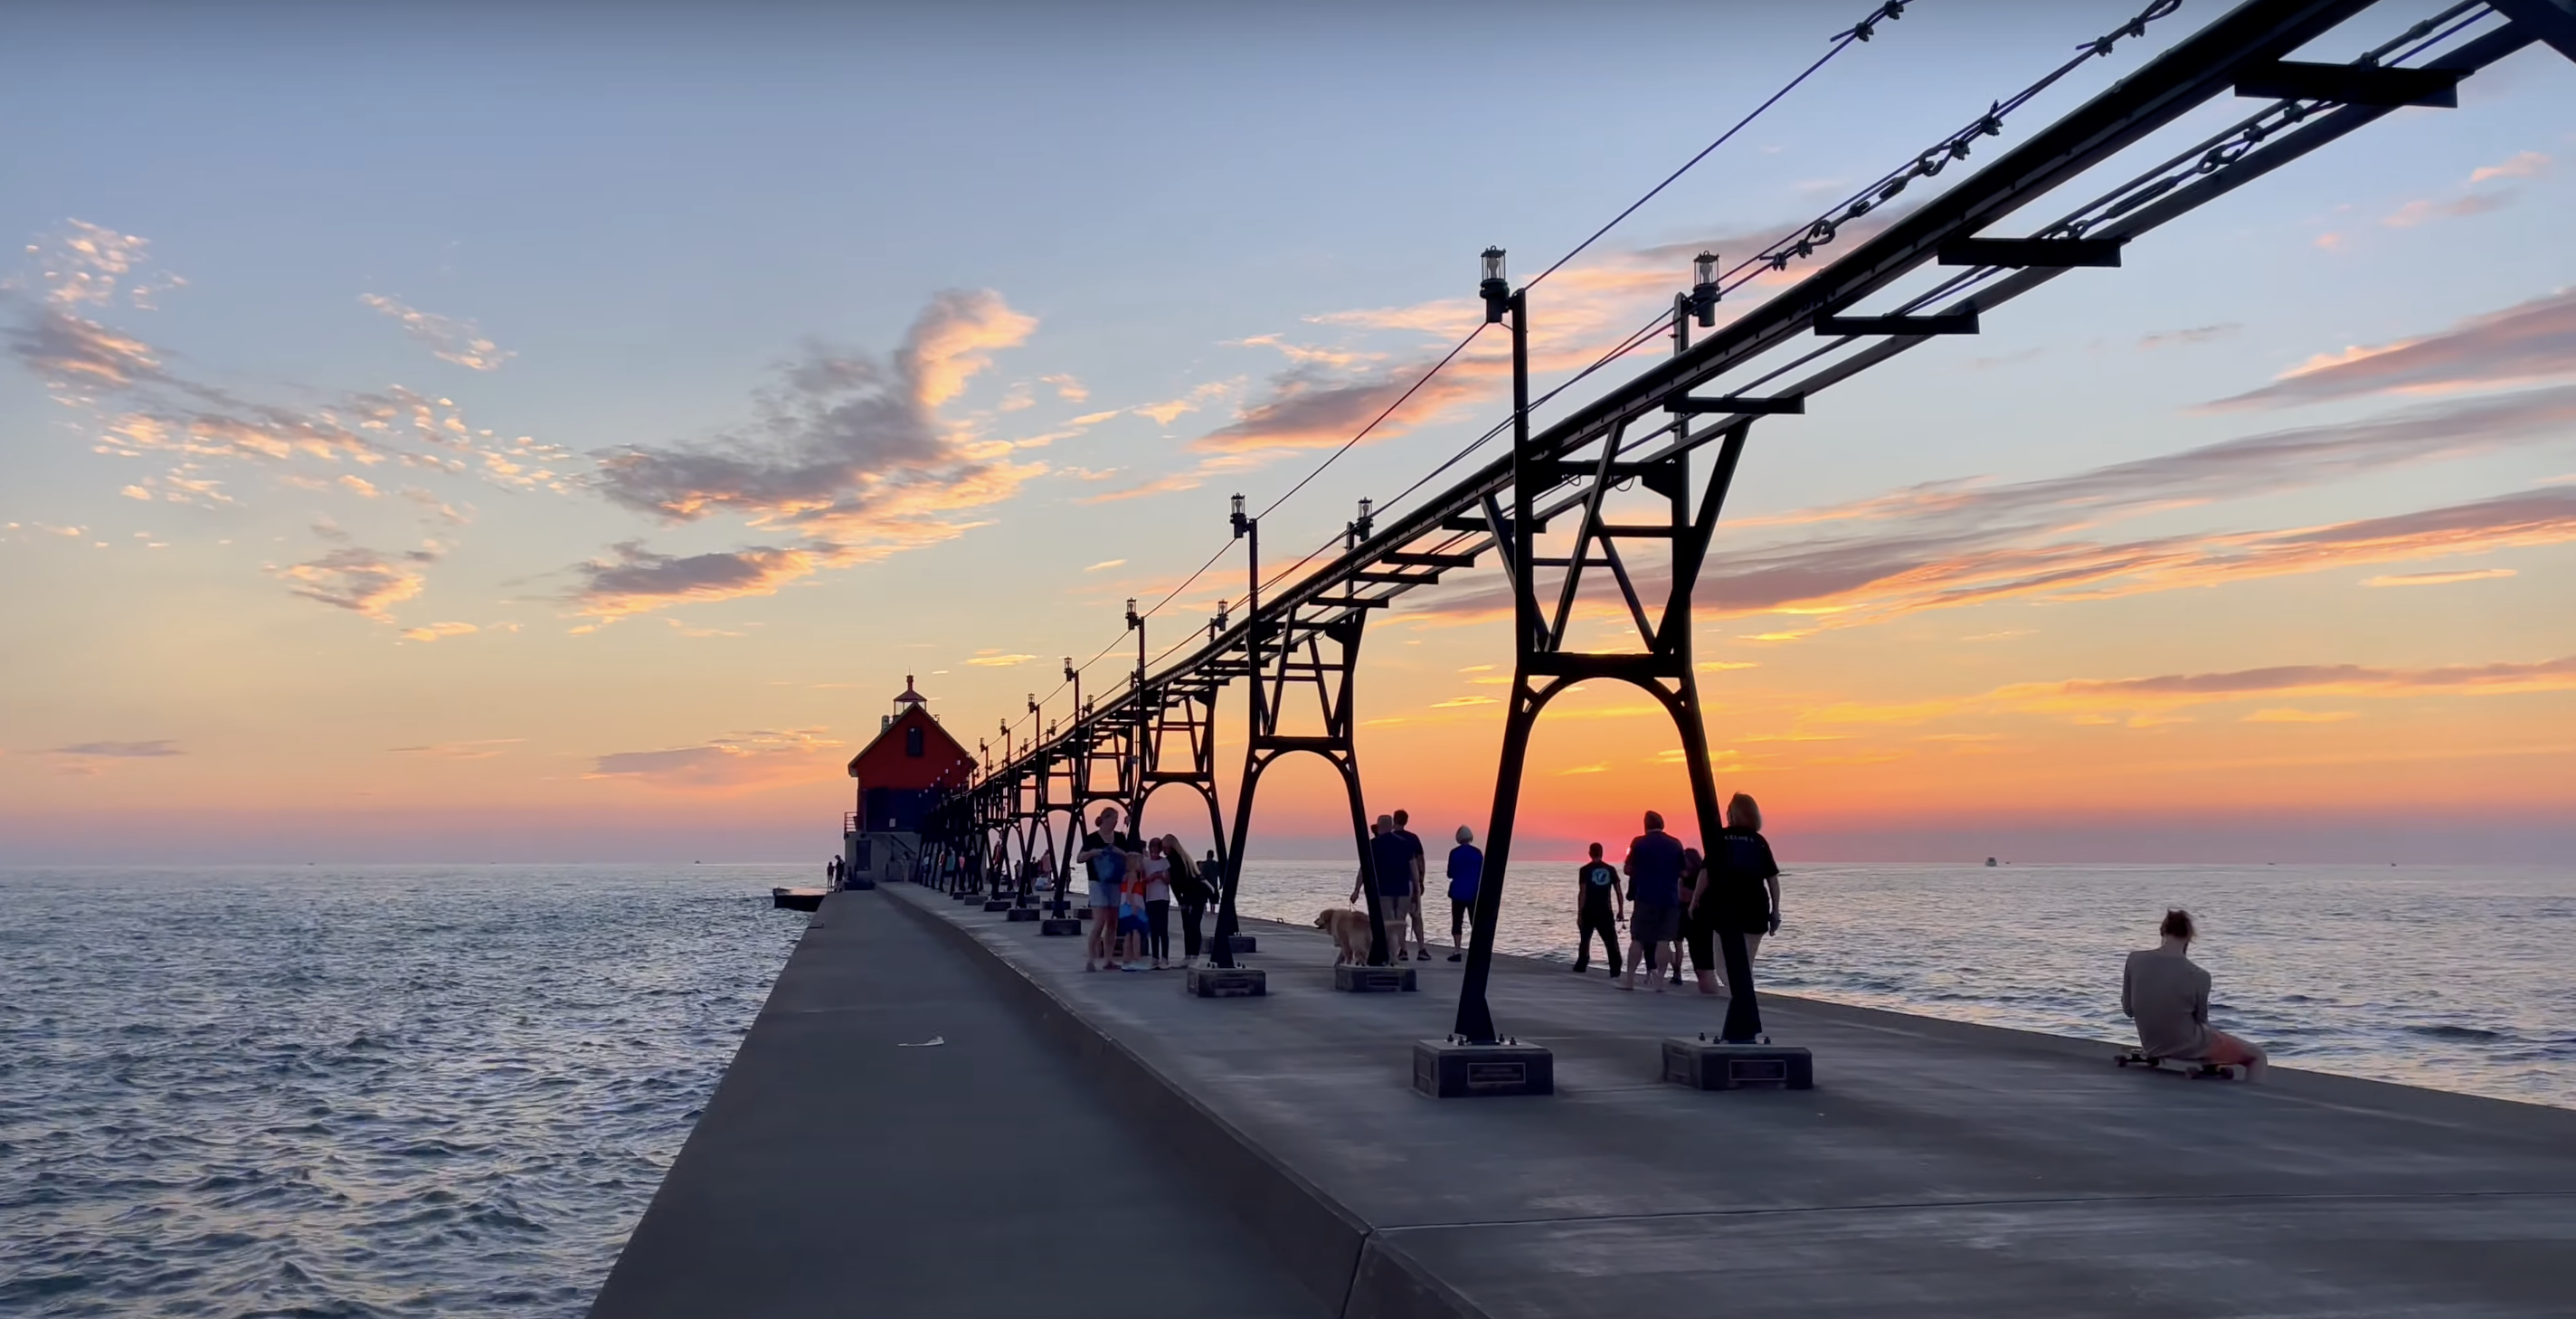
<point>1990,860</point>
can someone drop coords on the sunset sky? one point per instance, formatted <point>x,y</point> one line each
<point>455,434</point>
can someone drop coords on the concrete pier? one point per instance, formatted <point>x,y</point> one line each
<point>845,1166</point>
<point>1936,1168</point>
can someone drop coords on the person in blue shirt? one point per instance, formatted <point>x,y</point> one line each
<point>1596,911</point>
<point>1654,870</point>
<point>1466,867</point>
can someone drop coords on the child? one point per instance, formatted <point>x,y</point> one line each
<point>1132,924</point>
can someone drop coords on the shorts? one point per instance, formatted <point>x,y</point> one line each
<point>1104,893</point>
<point>1654,923</point>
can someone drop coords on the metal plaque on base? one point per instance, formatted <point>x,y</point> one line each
<point>1352,978</point>
<point>1225,982</point>
<point>1025,913</point>
<point>997,904</point>
<point>1448,1069</point>
<point>1705,1064</point>
<point>1060,925</point>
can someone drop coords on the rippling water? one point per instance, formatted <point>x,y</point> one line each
<point>453,1090</point>
<point>361,1091</point>
<point>2457,978</point>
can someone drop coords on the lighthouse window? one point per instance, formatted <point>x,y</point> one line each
<point>912,740</point>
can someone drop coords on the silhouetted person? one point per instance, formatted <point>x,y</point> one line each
<point>1654,870</point>
<point>1190,888</point>
<point>1597,903</point>
<point>1421,890</point>
<point>1466,870</point>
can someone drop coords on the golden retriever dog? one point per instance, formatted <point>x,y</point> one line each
<point>1350,930</point>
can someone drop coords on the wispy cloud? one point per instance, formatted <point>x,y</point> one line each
<point>2100,700</point>
<point>439,631</point>
<point>631,579</point>
<point>449,338</point>
<point>2522,165</point>
<point>2438,578</point>
<point>363,581</point>
<point>2532,341</point>
<point>83,264</point>
<point>2457,208</point>
<point>994,659</point>
<point>1952,543</point>
<point>151,750</point>
<point>481,749</point>
<point>845,452</point>
<point>735,763</point>
<point>2286,715</point>
<point>2198,334</point>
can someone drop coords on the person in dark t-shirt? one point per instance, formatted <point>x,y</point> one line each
<point>1421,867</point>
<point>1742,890</point>
<point>1654,869</point>
<point>1597,902</point>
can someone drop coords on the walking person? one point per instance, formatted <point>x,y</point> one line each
<point>1421,873</point>
<point>1597,910</point>
<point>1104,859</point>
<point>1189,888</point>
<point>1466,870</point>
<point>1395,883</point>
<point>2167,994</point>
<point>1654,870</point>
<point>1158,901</point>
<point>1699,880</point>
<point>1743,888</point>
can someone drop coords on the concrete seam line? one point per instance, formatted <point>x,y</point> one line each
<point>1297,1198</point>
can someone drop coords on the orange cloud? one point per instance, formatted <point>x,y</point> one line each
<point>2531,341</point>
<point>363,581</point>
<point>449,339</point>
<point>727,766</point>
<point>2099,700</point>
<point>848,453</point>
<point>635,580</point>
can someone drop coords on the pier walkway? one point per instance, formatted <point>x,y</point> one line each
<point>1937,1168</point>
<point>835,1172</point>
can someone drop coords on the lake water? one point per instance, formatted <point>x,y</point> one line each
<point>453,1090</point>
<point>2457,978</point>
<point>370,1091</point>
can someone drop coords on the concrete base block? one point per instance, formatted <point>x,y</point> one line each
<point>859,883</point>
<point>1225,982</point>
<point>1060,925</point>
<point>1025,913</point>
<point>1705,1064</point>
<point>1244,943</point>
<point>1351,978</point>
<point>997,904</point>
<point>1446,1069</point>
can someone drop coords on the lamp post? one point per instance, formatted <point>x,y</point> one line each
<point>1136,744</point>
<point>1248,530</point>
<point>1475,1021</point>
<point>1081,784</point>
<point>1699,304</point>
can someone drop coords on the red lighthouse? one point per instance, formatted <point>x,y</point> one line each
<point>900,772</point>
